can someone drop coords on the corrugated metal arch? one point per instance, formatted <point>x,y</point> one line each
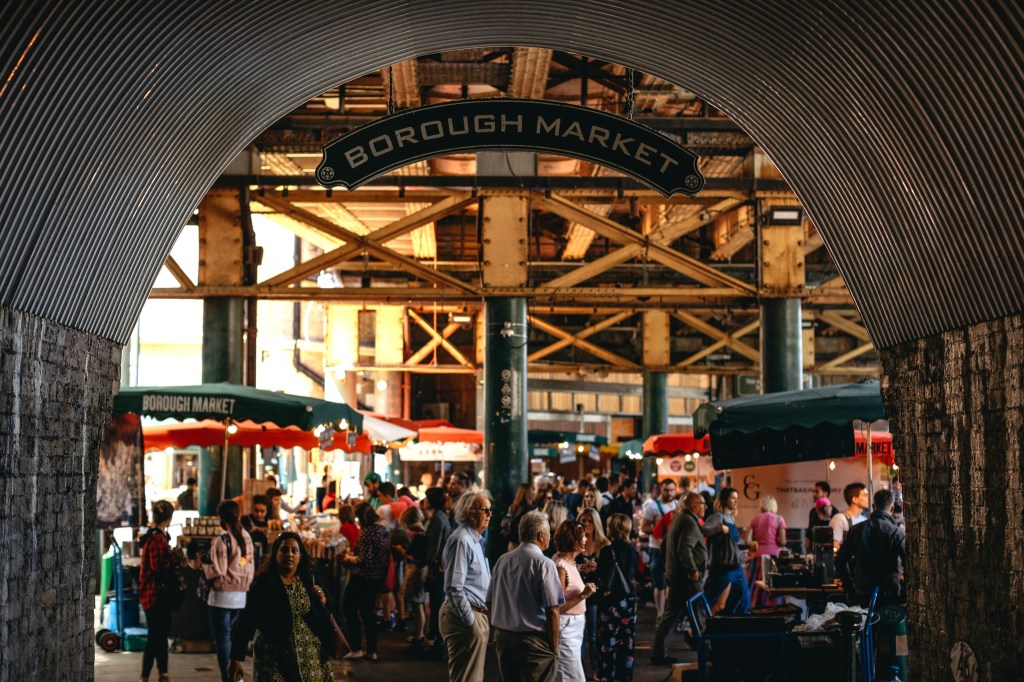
<point>898,124</point>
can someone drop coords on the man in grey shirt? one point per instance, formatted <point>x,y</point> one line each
<point>524,597</point>
<point>467,575</point>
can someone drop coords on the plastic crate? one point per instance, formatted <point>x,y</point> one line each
<point>135,639</point>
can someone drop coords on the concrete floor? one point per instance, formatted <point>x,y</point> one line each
<point>125,666</point>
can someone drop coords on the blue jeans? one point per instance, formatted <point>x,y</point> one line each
<point>221,622</point>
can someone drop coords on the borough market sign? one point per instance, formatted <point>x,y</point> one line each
<point>516,124</point>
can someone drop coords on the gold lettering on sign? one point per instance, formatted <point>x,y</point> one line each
<point>642,152</point>
<point>544,127</point>
<point>356,157</point>
<point>378,152</point>
<point>574,130</point>
<point>620,144</point>
<point>435,126</point>
<point>483,123</point>
<point>403,135</point>
<point>600,134</point>
<point>507,123</point>
<point>465,126</point>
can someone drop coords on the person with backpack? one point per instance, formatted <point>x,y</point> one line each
<point>155,589</point>
<point>228,569</point>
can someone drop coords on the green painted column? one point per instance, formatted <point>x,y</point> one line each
<point>506,457</point>
<point>781,345</point>
<point>222,361</point>
<point>654,421</point>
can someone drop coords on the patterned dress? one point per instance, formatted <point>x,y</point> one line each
<point>616,618</point>
<point>307,646</point>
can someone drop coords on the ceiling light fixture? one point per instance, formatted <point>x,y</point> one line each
<point>786,215</point>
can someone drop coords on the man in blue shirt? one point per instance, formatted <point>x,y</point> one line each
<point>464,619</point>
<point>524,597</point>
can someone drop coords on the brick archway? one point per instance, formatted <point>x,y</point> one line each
<point>897,126</point>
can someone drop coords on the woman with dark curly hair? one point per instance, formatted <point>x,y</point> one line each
<point>289,611</point>
<point>369,562</point>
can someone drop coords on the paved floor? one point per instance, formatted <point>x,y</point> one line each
<point>125,666</point>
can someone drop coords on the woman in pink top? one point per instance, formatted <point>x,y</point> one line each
<point>767,534</point>
<point>570,540</point>
<point>229,568</point>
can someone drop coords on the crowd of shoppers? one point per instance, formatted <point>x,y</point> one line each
<point>559,604</point>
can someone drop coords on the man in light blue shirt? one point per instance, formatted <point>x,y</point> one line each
<point>524,597</point>
<point>464,622</point>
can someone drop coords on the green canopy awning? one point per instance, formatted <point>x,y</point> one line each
<point>233,401</point>
<point>808,408</point>
<point>632,449</point>
<point>544,437</point>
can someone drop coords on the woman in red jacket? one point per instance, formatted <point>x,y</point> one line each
<point>157,559</point>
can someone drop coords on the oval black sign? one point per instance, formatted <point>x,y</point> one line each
<point>507,123</point>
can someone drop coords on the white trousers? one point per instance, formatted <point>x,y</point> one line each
<point>570,648</point>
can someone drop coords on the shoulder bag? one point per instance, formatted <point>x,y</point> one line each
<point>613,584</point>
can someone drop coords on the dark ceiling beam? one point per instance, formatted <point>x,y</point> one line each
<point>338,123</point>
<point>539,183</point>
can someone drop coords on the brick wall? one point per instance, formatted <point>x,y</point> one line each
<point>956,407</point>
<point>56,386</point>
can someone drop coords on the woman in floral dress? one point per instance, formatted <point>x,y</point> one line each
<point>616,611</point>
<point>295,634</point>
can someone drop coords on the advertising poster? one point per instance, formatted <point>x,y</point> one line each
<point>791,485</point>
<point>119,481</point>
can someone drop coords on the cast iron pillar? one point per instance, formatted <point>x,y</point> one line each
<point>654,422</point>
<point>657,354</point>
<point>221,242</point>
<point>781,345</point>
<point>782,276</point>
<point>505,450</point>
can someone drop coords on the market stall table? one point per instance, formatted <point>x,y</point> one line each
<point>816,597</point>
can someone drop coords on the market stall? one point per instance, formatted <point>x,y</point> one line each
<point>565,453</point>
<point>440,450</point>
<point>680,455</point>
<point>229,404</point>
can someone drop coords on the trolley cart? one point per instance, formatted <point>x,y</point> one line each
<point>774,646</point>
<point>110,640</point>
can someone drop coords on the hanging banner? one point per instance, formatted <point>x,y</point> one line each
<point>119,480</point>
<point>514,124</point>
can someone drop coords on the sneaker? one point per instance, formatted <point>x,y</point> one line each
<point>402,625</point>
<point>664,660</point>
<point>354,654</point>
<point>372,657</point>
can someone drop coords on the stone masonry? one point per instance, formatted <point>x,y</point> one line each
<point>956,407</point>
<point>56,388</point>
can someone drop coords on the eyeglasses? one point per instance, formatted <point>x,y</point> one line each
<point>485,510</point>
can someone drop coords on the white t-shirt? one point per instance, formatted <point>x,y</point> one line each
<point>653,511</point>
<point>226,600</point>
<point>842,523</point>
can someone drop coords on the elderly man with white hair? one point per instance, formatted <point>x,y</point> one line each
<point>524,598</point>
<point>467,575</point>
